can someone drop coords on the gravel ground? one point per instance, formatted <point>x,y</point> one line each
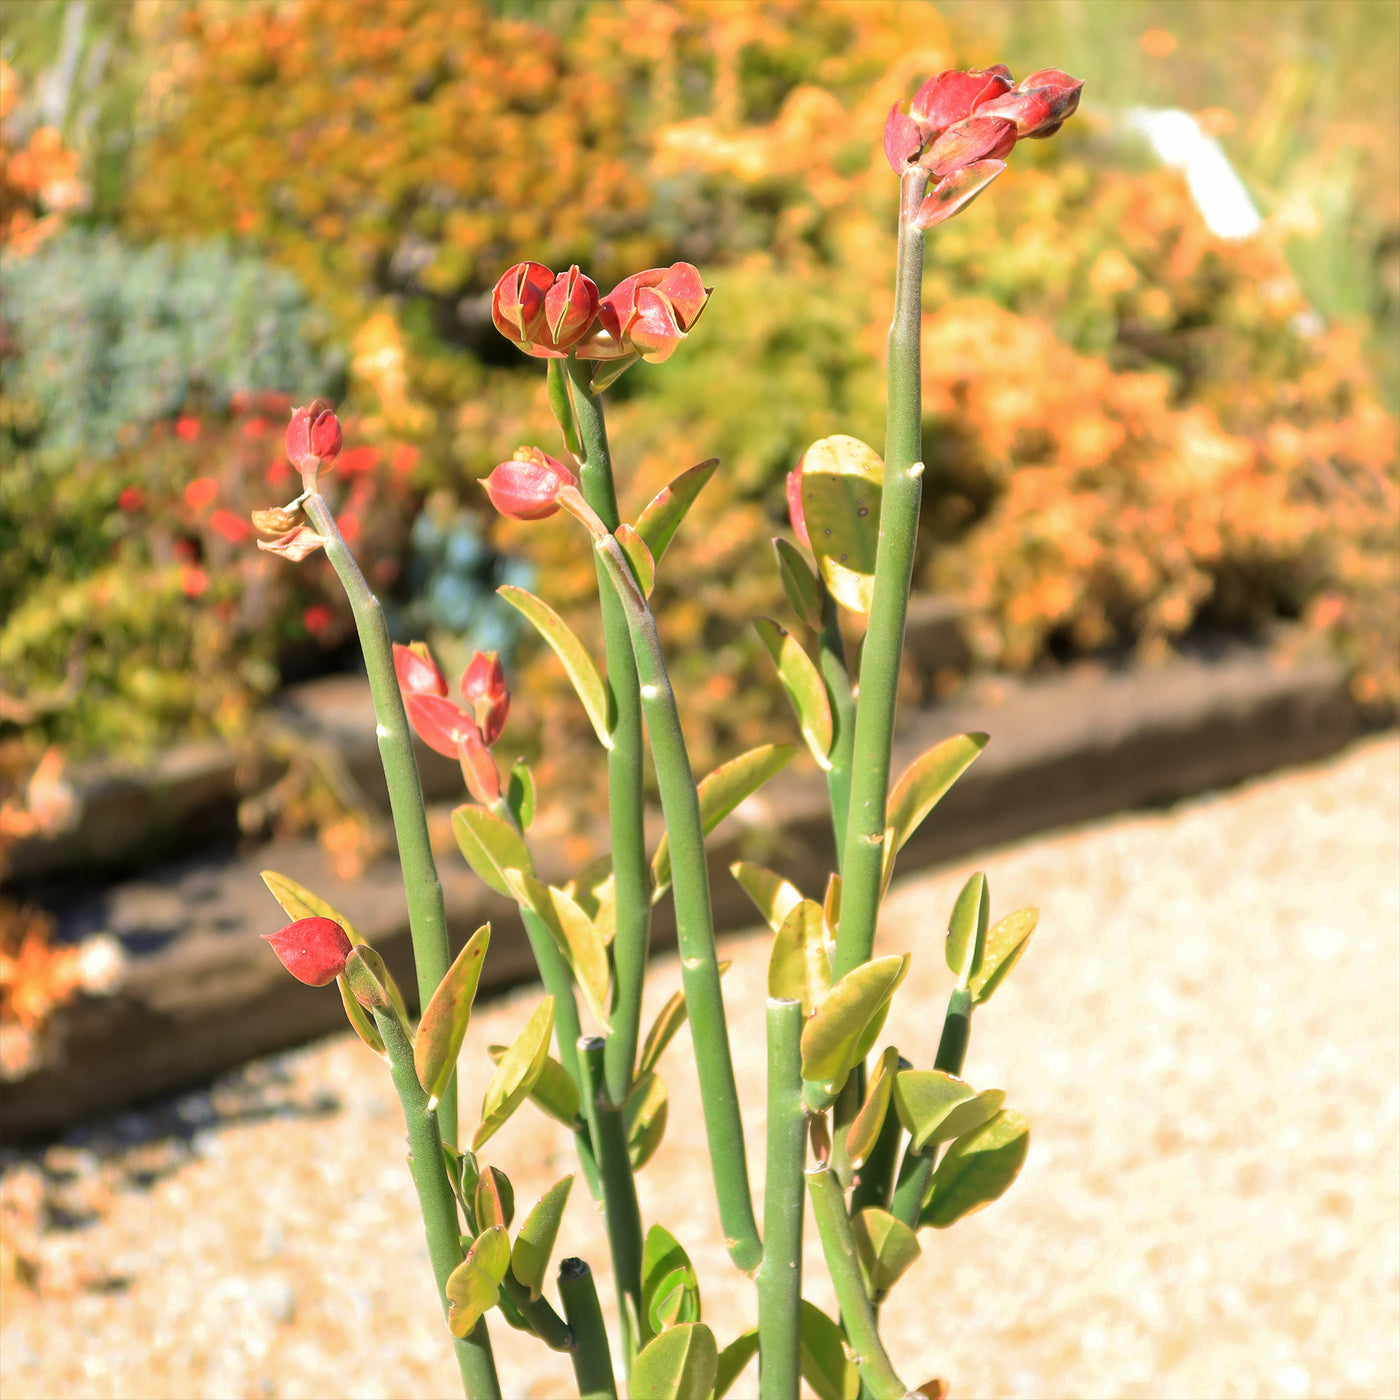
<point>1205,1036</point>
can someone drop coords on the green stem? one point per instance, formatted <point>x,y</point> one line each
<point>625,759</point>
<point>546,1324</point>
<point>427,916</point>
<point>831,657</point>
<point>695,929</point>
<point>621,1213</point>
<point>857,1313</point>
<point>437,1202</point>
<point>593,1368</point>
<point>779,1276</point>
<point>916,1171</point>
<point>894,569</point>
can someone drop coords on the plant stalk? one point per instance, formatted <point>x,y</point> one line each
<point>593,1368</point>
<point>894,570</point>
<point>427,916</point>
<point>779,1276</point>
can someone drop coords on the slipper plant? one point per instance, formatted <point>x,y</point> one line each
<point>882,1149</point>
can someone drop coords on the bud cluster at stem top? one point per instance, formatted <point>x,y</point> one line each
<point>313,438</point>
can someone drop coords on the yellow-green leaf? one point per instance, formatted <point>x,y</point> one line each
<point>517,1072</point>
<point>850,1015</point>
<point>680,1364</point>
<point>574,932</point>
<point>474,1285</point>
<point>799,967</point>
<point>529,1256</point>
<point>977,1169</point>
<point>799,583</point>
<point>638,556</point>
<point>494,1199</point>
<point>440,1033</point>
<point>657,524</point>
<point>775,897</point>
<point>925,781</point>
<point>668,1021</point>
<point>885,1246</point>
<point>966,944</point>
<point>670,1287</point>
<point>645,1114</point>
<point>842,482</point>
<point>826,1364</point>
<point>938,1107</point>
<point>865,1126</point>
<point>804,686</point>
<point>1007,939</point>
<point>554,1092</point>
<point>491,846</point>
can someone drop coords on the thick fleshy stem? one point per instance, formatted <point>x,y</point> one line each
<point>779,1277</point>
<point>437,1202</point>
<point>690,882</point>
<point>427,916</point>
<point>632,880</point>
<point>593,1369</point>
<point>858,1319</point>
<point>894,569</point>
<point>622,1214</point>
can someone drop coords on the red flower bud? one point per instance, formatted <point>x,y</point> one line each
<point>485,691</point>
<point>569,308</point>
<point>437,721</point>
<point>526,487</point>
<point>416,670</point>
<point>1040,104</point>
<point>977,138</point>
<point>517,302</point>
<point>794,499</point>
<point>647,314</point>
<point>313,432</point>
<point>953,96</point>
<point>312,950</point>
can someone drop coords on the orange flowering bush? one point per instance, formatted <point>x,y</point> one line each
<point>39,182</point>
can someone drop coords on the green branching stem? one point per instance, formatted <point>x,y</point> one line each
<point>831,657</point>
<point>593,1369</point>
<point>546,1324</point>
<point>894,569</point>
<point>622,1214</point>
<point>695,929</point>
<point>625,758</point>
<point>437,1202</point>
<point>427,916</point>
<point>779,1276</point>
<point>857,1312</point>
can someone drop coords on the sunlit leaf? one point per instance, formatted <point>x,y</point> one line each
<point>490,845</point>
<point>977,1169</point>
<point>638,556</point>
<point>680,1364</point>
<point>668,1021</point>
<point>938,1107</point>
<point>826,1365</point>
<point>520,793</point>
<point>842,482</point>
<point>733,1359</point>
<point>670,1287</point>
<point>925,781</point>
<point>847,1019</point>
<point>799,967</point>
<point>803,683</point>
<point>529,1256</point>
<point>1006,941</point>
<point>517,1072</point>
<point>865,1126</point>
<point>494,1199</point>
<point>774,896</point>
<point>658,523</point>
<point>645,1114</point>
<point>438,1040</point>
<point>966,943</point>
<point>885,1246</point>
<point>799,582</point>
<point>554,1092</point>
<point>474,1285</point>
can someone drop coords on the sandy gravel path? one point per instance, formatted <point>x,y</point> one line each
<point>1205,1036</point>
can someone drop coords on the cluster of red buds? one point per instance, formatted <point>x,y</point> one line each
<point>465,734</point>
<point>644,317</point>
<point>527,487</point>
<point>961,125</point>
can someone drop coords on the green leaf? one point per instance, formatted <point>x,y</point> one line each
<point>491,846</point>
<point>775,897</point>
<point>865,1126</point>
<point>826,1365</point>
<point>638,556</point>
<point>668,1021</point>
<point>1006,941</point>
<point>438,1041</point>
<point>494,1199</point>
<point>461,1168</point>
<point>804,686</point>
<point>562,405</point>
<point>842,481</point>
<point>520,793</point>
<point>938,1107</point>
<point>966,944</point>
<point>799,967</point>
<point>733,1359</point>
<point>474,1285</point>
<point>720,793</point>
<point>664,512</point>
<point>977,1169</point>
<point>680,1364</point>
<point>529,1256</point>
<point>849,1016</point>
<point>575,934</point>
<point>799,583</point>
<point>925,781</point>
<point>885,1246</point>
<point>645,1115</point>
<point>577,663</point>
<point>670,1288</point>
<point>517,1072</point>
<point>554,1092</point>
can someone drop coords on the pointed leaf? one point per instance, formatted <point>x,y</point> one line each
<point>804,686</point>
<point>529,1257</point>
<point>977,1169</point>
<point>573,932</point>
<point>680,1364</point>
<point>775,897</point>
<point>520,794</point>
<point>517,1072</point>
<point>474,1285</point>
<point>926,780</point>
<point>645,1114</point>
<point>457,1167</point>
<point>638,556</point>
<point>799,583</point>
<point>491,846</point>
<point>938,1107</point>
<point>799,967</point>
<point>842,481</point>
<point>571,652</point>
<point>831,905</point>
<point>670,1287</point>
<point>554,1092</point>
<point>733,1359</point>
<point>832,1038</point>
<point>885,1246</point>
<point>658,523</point>
<point>586,888</point>
<point>826,1365</point>
<point>721,792</point>
<point>440,1033</point>
<point>865,1127</point>
<point>1006,941</point>
<point>966,943</point>
<point>668,1021</point>
<point>494,1199</point>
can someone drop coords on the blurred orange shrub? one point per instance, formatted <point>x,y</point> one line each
<point>39,184</point>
